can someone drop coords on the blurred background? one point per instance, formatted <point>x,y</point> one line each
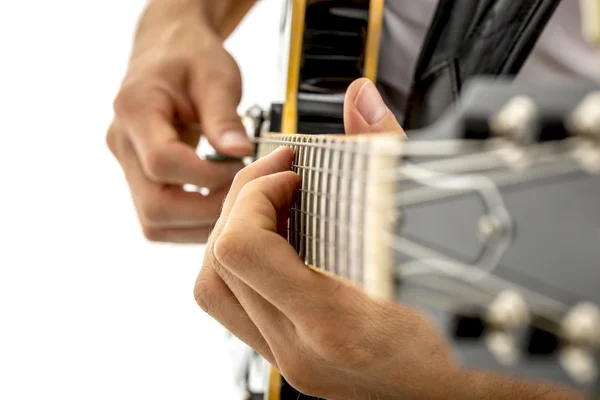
<point>88,308</point>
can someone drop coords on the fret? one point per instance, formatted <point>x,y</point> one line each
<point>357,215</point>
<point>299,217</point>
<point>294,221</point>
<point>304,196</point>
<point>310,199</point>
<point>344,192</point>
<point>323,209</point>
<point>334,187</point>
<point>316,202</point>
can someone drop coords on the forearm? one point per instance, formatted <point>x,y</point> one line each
<point>220,16</point>
<point>225,15</point>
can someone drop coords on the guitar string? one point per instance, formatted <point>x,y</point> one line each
<point>454,270</point>
<point>313,172</point>
<point>480,296</point>
<point>399,173</point>
<point>316,217</point>
<point>417,148</point>
<point>442,186</point>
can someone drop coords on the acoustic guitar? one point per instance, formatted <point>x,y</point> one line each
<point>487,219</point>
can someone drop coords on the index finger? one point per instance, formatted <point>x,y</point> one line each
<point>250,247</point>
<point>163,156</point>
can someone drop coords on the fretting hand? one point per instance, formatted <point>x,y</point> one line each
<point>326,336</point>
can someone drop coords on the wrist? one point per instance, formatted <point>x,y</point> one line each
<point>475,385</point>
<point>223,16</point>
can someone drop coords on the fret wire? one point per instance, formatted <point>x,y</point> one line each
<point>362,207</point>
<point>323,207</point>
<point>335,188</point>
<point>291,238</point>
<point>350,260</point>
<point>296,221</point>
<point>309,204</point>
<point>303,218</point>
<point>316,221</point>
<point>343,215</point>
<point>354,238</point>
<point>299,217</point>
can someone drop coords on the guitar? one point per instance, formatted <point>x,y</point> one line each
<point>495,231</point>
<point>514,292</point>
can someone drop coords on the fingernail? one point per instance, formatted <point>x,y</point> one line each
<point>236,140</point>
<point>370,104</point>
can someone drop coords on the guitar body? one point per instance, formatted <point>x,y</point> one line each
<point>331,44</point>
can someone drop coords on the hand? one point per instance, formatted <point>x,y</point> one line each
<point>325,336</point>
<point>179,73</point>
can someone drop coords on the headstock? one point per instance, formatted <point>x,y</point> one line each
<point>500,232</point>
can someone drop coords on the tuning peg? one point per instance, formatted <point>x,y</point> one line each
<point>581,325</point>
<point>503,347</point>
<point>508,311</point>
<point>579,364</point>
<point>585,119</point>
<point>584,122</point>
<point>517,121</point>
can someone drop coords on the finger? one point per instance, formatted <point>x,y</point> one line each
<point>146,116</point>
<point>276,329</point>
<point>160,206</point>
<point>278,161</point>
<point>250,247</point>
<point>366,112</point>
<point>217,300</point>
<point>177,235</point>
<point>216,89</point>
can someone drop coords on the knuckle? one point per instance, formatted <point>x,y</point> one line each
<point>205,295</point>
<point>226,72</point>
<point>240,180</point>
<point>126,100</point>
<point>157,164</point>
<point>228,248</point>
<point>153,234</point>
<point>111,140</point>
<point>153,212</point>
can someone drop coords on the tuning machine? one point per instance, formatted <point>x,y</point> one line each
<point>517,123</point>
<point>584,123</point>
<point>499,325</point>
<point>580,329</point>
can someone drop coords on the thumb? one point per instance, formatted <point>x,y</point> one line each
<point>216,89</point>
<point>366,112</point>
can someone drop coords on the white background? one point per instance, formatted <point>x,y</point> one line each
<point>88,308</point>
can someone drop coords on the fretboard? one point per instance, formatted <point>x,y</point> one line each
<point>344,204</point>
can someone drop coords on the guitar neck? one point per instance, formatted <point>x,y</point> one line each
<point>343,205</point>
